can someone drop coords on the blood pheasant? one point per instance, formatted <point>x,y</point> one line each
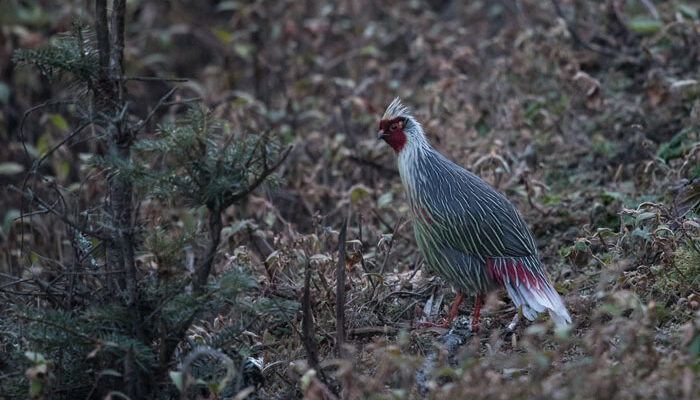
<point>468,232</point>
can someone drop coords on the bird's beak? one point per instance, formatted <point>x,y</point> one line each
<point>380,135</point>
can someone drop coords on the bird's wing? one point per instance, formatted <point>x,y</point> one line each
<point>464,213</point>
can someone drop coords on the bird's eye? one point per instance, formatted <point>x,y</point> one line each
<point>394,127</point>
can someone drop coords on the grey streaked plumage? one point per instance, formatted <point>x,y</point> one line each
<point>467,231</point>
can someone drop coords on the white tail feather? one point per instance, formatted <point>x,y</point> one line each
<point>536,301</point>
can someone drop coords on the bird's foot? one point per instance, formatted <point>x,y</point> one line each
<point>475,325</point>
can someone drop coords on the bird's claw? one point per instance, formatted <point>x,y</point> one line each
<point>475,326</point>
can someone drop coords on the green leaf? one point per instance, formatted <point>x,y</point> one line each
<point>176,377</point>
<point>370,50</point>
<point>609,195</point>
<point>4,92</point>
<point>116,393</point>
<point>580,246</point>
<point>611,309</point>
<point>305,380</point>
<point>358,192</point>
<point>645,216</point>
<point>10,216</point>
<point>675,147</point>
<point>11,168</point>
<point>385,199</point>
<point>535,329</point>
<point>316,242</point>
<point>243,49</point>
<point>687,11</point>
<point>603,232</point>
<point>320,257</point>
<point>270,218</point>
<point>222,35</point>
<point>482,127</point>
<point>274,256</point>
<point>237,226</point>
<point>36,358</point>
<point>228,6</point>
<point>643,233</point>
<point>59,122</point>
<point>550,199</point>
<point>212,386</point>
<point>644,25</point>
<point>694,348</point>
<point>63,170</point>
<point>43,144</point>
<point>35,386</point>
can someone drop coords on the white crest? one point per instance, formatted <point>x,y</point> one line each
<point>395,109</point>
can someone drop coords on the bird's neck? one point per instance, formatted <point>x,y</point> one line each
<point>411,161</point>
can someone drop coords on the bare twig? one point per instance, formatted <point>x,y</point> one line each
<point>307,324</point>
<point>202,272</point>
<point>183,101</point>
<point>530,193</point>
<point>155,109</point>
<point>153,78</point>
<point>391,245</point>
<point>233,197</point>
<point>68,137</point>
<point>372,330</point>
<point>362,253</point>
<point>51,209</point>
<point>388,225</point>
<point>28,156</point>
<point>340,292</point>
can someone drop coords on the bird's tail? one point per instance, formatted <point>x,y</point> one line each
<point>529,288</point>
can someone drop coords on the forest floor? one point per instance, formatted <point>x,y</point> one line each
<point>584,114</point>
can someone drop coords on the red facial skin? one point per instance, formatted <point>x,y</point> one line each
<point>391,131</point>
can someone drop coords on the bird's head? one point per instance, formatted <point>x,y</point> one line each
<point>398,128</point>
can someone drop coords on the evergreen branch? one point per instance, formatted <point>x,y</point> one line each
<point>73,332</point>
<point>233,197</point>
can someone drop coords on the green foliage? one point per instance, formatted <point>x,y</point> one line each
<point>205,163</point>
<point>677,146</point>
<point>683,277</point>
<point>197,160</point>
<point>72,53</point>
<point>99,337</point>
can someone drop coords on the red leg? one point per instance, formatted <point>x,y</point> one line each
<point>453,312</point>
<point>455,306</point>
<point>477,308</point>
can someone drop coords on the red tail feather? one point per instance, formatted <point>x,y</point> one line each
<point>512,272</point>
<point>528,288</point>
